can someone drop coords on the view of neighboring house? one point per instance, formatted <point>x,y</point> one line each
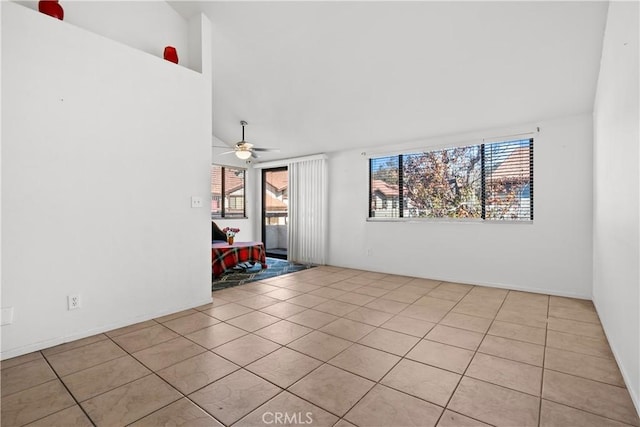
<point>277,197</point>
<point>488,181</point>
<point>233,189</point>
<point>384,199</point>
<point>508,187</point>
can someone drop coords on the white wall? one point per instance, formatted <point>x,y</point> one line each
<point>102,147</point>
<point>200,40</point>
<point>148,26</point>
<point>277,236</point>
<point>616,255</point>
<point>552,255</point>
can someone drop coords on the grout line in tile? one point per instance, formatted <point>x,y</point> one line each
<point>170,403</point>
<point>121,385</point>
<point>499,385</point>
<point>544,355</point>
<point>573,320</point>
<point>264,403</point>
<point>576,320</point>
<point>584,354</point>
<point>465,314</point>
<point>513,338</point>
<point>586,378</point>
<point>474,353</point>
<point>282,345</point>
<point>326,363</point>
<point>58,378</point>
<point>218,379</point>
<point>589,412</point>
<point>323,363</point>
<point>74,348</point>
<point>401,358</point>
<point>287,389</point>
<point>94,366</point>
<point>460,329</point>
<point>126,333</point>
<point>465,415</point>
<point>506,358</point>
<point>20,364</point>
<point>30,361</point>
<point>185,313</point>
<point>151,372</point>
<point>80,406</point>
<point>404,356</point>
<point>235,339</point>
<point>313,357</point>
<point>182,395</point>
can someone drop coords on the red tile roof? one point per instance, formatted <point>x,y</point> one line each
<point>383,187</point>
<point>273,204</point>
<point>278,179</point>
<point>233,182</point>
<point>516,165</point>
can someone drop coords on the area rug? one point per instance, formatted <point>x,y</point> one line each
<point>275,267</point>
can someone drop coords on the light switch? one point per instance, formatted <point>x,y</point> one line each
<point>196,202</point>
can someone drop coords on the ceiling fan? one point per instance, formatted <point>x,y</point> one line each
<point>244,149</point>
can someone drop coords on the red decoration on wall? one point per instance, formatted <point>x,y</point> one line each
<point>170,54</point>
<point>51,8</point>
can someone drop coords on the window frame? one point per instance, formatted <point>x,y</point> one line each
<point>223,202</point>
<point>527,141</point>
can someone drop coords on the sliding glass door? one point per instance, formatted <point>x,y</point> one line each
<point>275,211</point>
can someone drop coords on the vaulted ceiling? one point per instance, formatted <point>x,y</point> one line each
<point>315,77</point>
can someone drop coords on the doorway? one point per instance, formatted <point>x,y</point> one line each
<point>275,211</point>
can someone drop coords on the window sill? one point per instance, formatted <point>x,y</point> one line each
<point>228,218</point>
<point>450,221</point>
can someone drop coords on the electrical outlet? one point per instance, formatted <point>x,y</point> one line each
<point>73,302</point>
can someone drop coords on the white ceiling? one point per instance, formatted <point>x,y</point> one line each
<point>315,77</point>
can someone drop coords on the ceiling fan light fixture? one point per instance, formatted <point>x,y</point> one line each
<point>243,154</point>
<point>242,149</point>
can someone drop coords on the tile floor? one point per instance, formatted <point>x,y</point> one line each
<point>331,346</point>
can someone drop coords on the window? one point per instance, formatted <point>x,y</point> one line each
<point>227,192</point>
<point>486,181</point>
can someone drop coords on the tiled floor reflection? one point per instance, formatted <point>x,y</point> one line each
<point>332,346</point>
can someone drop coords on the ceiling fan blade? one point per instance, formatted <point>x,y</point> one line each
<point>275,150</point>
<point>254,155</point>
<point>227,152</point>
<point>221,146</point>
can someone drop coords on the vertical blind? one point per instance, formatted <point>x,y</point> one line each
<point>307,211</point>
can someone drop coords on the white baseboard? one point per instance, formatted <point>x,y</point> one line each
<point>19,351</point>
<point>625,376</point>
<point>545,291</point>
